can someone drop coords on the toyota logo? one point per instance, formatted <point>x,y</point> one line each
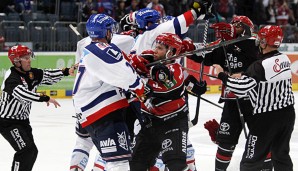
<point>166,143</point>
<point>224,126</point>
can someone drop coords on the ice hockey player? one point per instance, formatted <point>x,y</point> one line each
<point>99,99</point>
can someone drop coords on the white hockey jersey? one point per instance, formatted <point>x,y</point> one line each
<point>178,26</point>
<point>124,42</point>
<point>102,76</point>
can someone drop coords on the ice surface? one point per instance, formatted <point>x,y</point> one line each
<point>54,135</point>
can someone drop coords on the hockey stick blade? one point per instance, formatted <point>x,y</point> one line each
<point>75,30</point>
<point>221,44</point>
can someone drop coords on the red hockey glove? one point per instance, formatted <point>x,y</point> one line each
<point>139,63</point>
<point>131,33</point>
<point>148,55</point>
<point>224,30</point>
<point>212,127</point>
<point>187,46</point>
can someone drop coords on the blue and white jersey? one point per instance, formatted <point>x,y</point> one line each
<point>102,77</point>
<point>124,42</point>
<point>178,25</point>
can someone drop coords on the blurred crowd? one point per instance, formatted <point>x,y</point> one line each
<point>262,12</point>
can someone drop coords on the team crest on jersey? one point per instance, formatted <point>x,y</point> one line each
<point>31,75</point>
<point>122,140</point>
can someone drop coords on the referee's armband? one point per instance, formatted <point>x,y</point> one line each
<point>44,98</point>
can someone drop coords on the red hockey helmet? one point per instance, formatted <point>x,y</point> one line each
<point>271,35</point>
<point>171,40</point>
<point>243,20</point>
<point>18,51</point>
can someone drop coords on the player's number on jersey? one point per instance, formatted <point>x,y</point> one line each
<point>81,71</point>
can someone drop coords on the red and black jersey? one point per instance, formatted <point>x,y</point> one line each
<point>168,97</point>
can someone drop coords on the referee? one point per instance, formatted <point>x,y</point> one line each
<point>18,93</point>
<point>268,83</point>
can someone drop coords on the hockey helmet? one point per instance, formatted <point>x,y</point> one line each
<point>243,20</point>
<point>271,35</point>
<point>15,53</point>
<point>170,40</point>
<point>146,15</point>
<point>98,25</point>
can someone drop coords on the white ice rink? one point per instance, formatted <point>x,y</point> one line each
<point>54,135</point>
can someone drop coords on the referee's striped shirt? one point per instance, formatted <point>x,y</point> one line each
<point>19,91</point>
<point>268,83</point>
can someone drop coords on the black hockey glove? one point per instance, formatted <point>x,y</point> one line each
<point>202,7</point>
<point>195,87</point>
<point>161,73</point>
<point>125,23</point>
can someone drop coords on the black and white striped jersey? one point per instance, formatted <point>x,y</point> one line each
<point>19,91</point>
<point>268,83</point>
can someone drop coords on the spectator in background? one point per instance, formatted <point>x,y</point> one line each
<point>144,3</point>
<point>88,8</point>
<point>134,6</point>
<point>271,13</point>
<point>2,40</point>
<point>23,6</point>
<point>293,38</point>
<point>154,4</point>
<point>106,7</point>
<point>282,12</point>
<point>9,7</point>
<point>120,10</point>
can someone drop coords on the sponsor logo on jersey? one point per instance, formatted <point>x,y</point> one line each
<point>122,140</point>
<point>184,141</point>
<point>166,146</point>
<point>251,146</point>
<point>108,145</point>
<point>280,66</point>
<point>223,129</point>
<point>18,139</point>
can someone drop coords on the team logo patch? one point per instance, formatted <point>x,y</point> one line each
<point>122,140</point>
<point>31,75</point>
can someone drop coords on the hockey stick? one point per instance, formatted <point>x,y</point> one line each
<point>237,99</point>
<point>192,70</point>
<point>206,100</point>
<point>221,44</point>
<point>75,31</point>
<point>194,121</point>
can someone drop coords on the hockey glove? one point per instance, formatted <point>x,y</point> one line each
<point>161,73</point>
<point>139,63</point>
<point>148,55</point>
<point>224,31</point>
<point>187,46</point>
<point>195,87</point>
<point>202,7</point>
<point>212,126</point>
<point>144,93</point>
<point>127,21</point>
